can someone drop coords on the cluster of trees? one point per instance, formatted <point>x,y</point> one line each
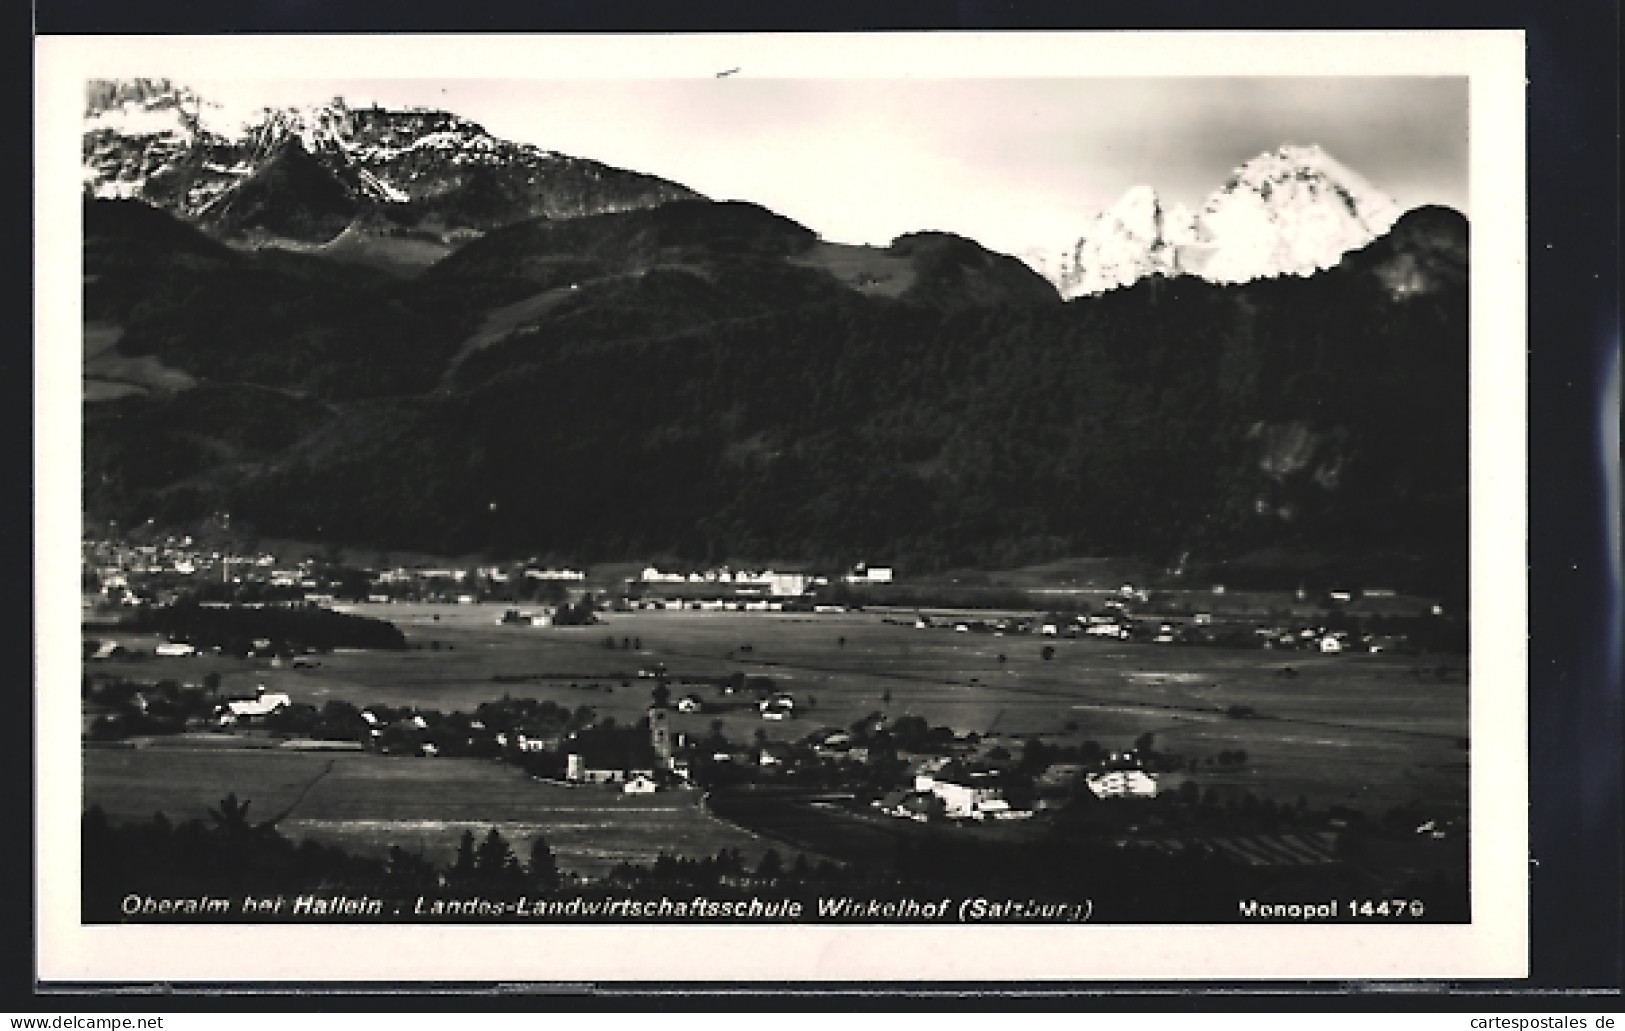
<point>234,629</point>
<point>230,854</point>
<point>126,707</point>
<point>607,744</point>
<point>583,612</point>
<point>234,854</point>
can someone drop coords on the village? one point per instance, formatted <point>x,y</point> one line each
<point>597,681</point>
<point>902,766</point>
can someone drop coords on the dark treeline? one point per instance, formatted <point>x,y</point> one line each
<point>233,854</point>
<point>234,629</point>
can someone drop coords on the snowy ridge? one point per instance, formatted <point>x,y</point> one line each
<point>1131,240</point>
<point>140,136</point>
<point>382,189</point>
<point>151,140</point>
<point>1292,211</point>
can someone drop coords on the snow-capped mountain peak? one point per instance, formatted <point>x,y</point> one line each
<point>1132,239</point>
<point>1291,211</point>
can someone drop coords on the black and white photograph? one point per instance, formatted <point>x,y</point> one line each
<point>801,490</point>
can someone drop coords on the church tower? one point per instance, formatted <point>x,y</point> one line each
<point>660,726</point>
<point>660,735</point>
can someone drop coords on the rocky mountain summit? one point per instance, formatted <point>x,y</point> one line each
<point>1133,239</point>
<point>306,176</point>
<point>1292,211</point>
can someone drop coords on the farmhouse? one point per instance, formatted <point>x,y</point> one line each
<point>867,574</point>
<point>776,708</point>
<point>1123,782</point>
<point>263,704</point>
<point>965,794</point>
<point>972,800</point>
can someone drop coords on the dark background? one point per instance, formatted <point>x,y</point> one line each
<point>1575,609</point>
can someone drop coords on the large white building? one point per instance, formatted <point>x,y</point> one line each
<point>965,796</point>
<point>1122,783</point>
<point>867,574</point>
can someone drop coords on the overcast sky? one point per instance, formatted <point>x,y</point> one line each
<point>1017,164</point>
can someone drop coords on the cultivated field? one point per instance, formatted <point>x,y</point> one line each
<point>1368,731</point>
<point>366,803</point>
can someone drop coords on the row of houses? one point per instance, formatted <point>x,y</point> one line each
<point>766,582</point>
<point>952,789</point>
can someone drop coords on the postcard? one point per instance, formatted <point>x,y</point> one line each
<point>888,508</point>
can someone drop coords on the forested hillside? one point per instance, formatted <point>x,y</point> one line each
<point>682,381</point>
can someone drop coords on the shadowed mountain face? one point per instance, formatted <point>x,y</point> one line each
<point>710,380</point>
<point>1425,252</point>
<point>291,196</point>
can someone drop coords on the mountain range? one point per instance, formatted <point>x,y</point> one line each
<point>390,187</point>
<point>632,371</point>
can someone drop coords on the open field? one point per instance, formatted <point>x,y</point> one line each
<point>867,269</point>
<point>365,803</point>
<point>1368,731</point>
<point>109,374</point>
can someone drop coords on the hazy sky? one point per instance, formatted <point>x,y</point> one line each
<point>1014,163</point>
